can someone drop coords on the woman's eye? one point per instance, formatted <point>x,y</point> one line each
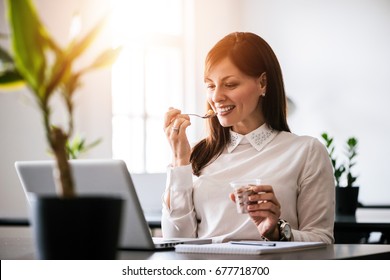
<point>210,86</point>
<point>230,85</point>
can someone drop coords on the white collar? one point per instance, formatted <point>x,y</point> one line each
<point>258,138</point>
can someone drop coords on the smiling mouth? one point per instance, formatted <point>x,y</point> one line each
<point>224,110</point>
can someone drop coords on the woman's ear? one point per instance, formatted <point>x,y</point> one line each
<point>262,80</point>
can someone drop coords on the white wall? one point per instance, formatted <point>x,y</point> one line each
<point>334,55</point>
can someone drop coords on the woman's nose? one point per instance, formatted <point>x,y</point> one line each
<point>218,95</point>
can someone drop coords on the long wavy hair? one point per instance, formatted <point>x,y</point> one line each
<point>253,56</point>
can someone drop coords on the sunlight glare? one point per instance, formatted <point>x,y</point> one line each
<point>148,69</point>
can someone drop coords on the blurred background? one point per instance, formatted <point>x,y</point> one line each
<point>334,56</point>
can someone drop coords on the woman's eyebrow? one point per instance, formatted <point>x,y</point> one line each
<point>206,79</point>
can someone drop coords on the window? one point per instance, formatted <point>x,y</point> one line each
<point>147,78</point>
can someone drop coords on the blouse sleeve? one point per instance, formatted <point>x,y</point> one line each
<point>316,197</point>
<point>179,220</point>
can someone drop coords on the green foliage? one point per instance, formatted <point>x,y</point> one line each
<point>340,169</point>
<point>46,69</point>
<point>9,76</point>
<point>29,42</point>
<point>78,146</point>
<point>351,152</point>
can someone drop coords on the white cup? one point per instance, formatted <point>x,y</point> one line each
<point>242,190</point>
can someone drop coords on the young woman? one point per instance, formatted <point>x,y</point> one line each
<point>248,138</point>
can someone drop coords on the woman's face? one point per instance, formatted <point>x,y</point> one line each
<point>235,97</point>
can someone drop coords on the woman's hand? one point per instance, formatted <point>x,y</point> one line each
<point>175,125</point>
<point>266,212</point>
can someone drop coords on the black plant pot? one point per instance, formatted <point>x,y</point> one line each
<point>85,227</point>
<point>346,200</point>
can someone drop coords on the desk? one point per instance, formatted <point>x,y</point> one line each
<point>347,229</point>
<point>367,220</point>
<point>17,243</point>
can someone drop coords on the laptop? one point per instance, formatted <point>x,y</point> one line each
<point>102,177</point>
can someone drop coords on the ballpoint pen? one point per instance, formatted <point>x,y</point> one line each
<point>254,243</point>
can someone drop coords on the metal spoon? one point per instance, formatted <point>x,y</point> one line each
<point>209,114</point>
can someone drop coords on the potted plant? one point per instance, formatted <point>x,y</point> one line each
<point>347,193</point>
<point>47,69</point>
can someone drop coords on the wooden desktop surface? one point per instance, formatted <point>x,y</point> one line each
<point>17,243</point>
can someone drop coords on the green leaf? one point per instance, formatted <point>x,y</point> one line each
<point>9,76</point>
<point>5,57</point>
<point>28,40</point>
<point>62,69</point>
<point>71,83</point>
<point>78,146</point>
<point>11,80</point>
<point>352,142</point>
<point>105,59</point>
<point>76,48</point>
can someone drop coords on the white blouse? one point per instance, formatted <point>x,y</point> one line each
<point>297,167</point>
